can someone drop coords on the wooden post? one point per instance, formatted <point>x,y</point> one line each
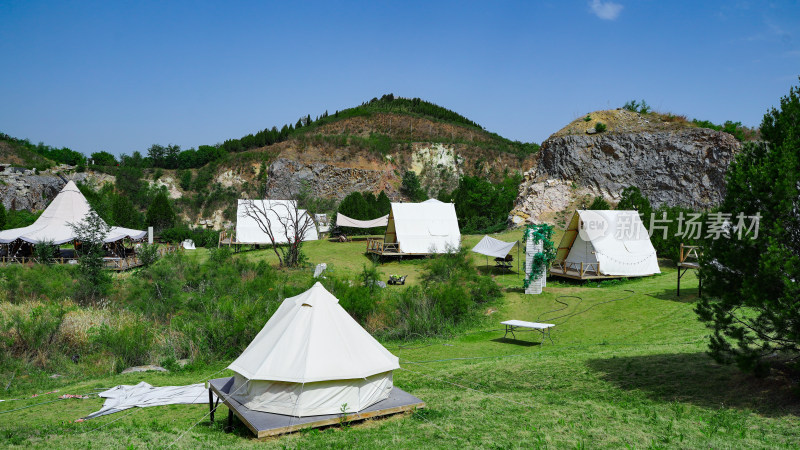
<point>581,269</point>
<point>211,405</point>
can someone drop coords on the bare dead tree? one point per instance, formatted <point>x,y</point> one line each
<point>284,223</point>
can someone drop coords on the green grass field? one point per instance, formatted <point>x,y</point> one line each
<point>626,368</point>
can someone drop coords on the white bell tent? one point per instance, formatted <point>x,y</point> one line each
<point>280,217</point>
<point>310,359</point>
<point>599,243</point>
<point>69,207</point>
<point>423,228</point>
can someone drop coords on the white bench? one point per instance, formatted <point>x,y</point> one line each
<point>543,328</point>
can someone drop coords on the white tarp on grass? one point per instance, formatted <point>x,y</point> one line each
<point>279,214</point>
<point>496,248</point>
<point>123,397</point>
<point>69,207</point>
<point>310,358</point>
<point>344,221</point>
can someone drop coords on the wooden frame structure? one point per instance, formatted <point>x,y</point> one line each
<point>111,263</point>
<point>264,424</point>
<point>573,270</point>
<point>689,260</point>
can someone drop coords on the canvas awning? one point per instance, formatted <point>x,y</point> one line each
<point>496,248</point>
<point>344,221</point>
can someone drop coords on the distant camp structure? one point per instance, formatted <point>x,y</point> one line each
<point>53,227</point>
<point>418,229</point>
<point>605,244</point>
<point>311,365</point>
<point>278,216</point>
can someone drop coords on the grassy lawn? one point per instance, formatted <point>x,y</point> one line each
<point>626,368</point>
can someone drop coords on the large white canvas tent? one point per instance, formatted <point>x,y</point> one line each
<point>310,359</point>
<point>279,213</point>
<point>423,228</point>
<point>605,244</point>
<point>69,207</point>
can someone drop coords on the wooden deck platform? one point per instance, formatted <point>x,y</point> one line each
<point>264,424</point>
<point>576,275</point>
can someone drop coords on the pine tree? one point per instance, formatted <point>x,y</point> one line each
<point>750,281</point>
<point>160,214</point>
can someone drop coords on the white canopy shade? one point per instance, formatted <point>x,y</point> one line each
<point>344,221</point>
<point>279,213</point>
<point>312,338</point>
<point>69,207</point>
<point>490,246</point>
<point>427,227</point>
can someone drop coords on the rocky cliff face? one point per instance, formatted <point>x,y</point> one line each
<point>27,189</point>
<point>286,176</point>
<point>681,166</point>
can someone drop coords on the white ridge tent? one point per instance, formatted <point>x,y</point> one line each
<point>423,228</point>
<point>310,359</point>
<point>344,221</point>
<point>616,243</point>
<point>278,212</point>
<point>69,207</point>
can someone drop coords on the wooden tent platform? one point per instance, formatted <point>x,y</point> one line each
<point>576,275</point>
<point>264,424</point>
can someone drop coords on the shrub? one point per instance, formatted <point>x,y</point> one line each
<point>130,343</point>
<point>45,252</point>
<point>148,254</point>
<point>34,329</point>
<point>599,203</point>
<point>600,127</point>
<point>588,118</point>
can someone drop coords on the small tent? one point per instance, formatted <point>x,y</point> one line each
<point>605,244</point>
<point>68,208</point>
<point>279,214</point>
<point>310,359</point>
<point>423,228</point>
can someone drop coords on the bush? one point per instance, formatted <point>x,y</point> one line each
<point>34,330</point>
<point>148,254</point>
<point>130,343</point>
<point>45,252</point>
<point>599,203</point>
<point>600,127</point>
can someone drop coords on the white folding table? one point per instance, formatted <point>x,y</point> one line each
<point>543,328</point>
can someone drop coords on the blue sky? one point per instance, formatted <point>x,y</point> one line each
<point>120,76</point>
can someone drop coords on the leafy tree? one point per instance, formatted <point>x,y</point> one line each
<point>599,203</point>
<point>104,159</point>
<point>129,183</point>
<point>412,188</point>
<point>751,281</point>
<point>632,198</point>
<point>482,206</point>
<point>124,213</point>
<point>2,216</point>
<point>93,280</point>
<point>160,214</point>
<point>665,225</point>
<point>384,205</point>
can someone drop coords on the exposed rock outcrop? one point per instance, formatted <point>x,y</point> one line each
<point>285,178</point>
<point>27,189</point>
<point>684,166</point>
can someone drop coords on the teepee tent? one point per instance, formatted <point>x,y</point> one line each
<point>310,359</point>
<point>423,228</point>
<point>69,207</point>
<point>279,213</point>
<point>601,243</point>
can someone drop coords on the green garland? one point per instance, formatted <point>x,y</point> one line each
<point>541,261</point>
